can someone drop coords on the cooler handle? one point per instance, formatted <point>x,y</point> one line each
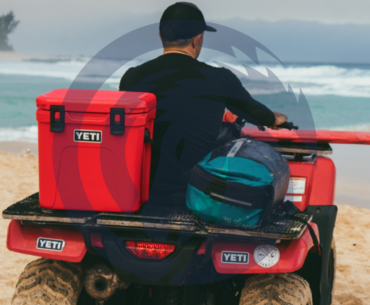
<point>57,125</point>
<point>117,128</point>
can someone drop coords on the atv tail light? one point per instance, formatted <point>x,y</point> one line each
<point>149,250</point>
<point>96,240</point>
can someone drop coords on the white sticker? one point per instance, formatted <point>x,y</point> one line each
<point>293,198</point>
<point>266,256</point>
<point>235,148</point>
<point>50,244</point>
<point>296,186</point>
<point>89,136</point>
<point>232,257</point>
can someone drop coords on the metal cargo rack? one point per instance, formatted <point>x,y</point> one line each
<point>281,227</point>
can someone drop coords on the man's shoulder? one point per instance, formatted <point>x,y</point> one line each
<point>149,63</point>
<point>213,68</point>
<point>135,74</point>
<point>143,67</point>
<point>214,71</point>
<point>187,62</point>
<point>187,66</point>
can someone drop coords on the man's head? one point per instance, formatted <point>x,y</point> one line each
<point>182,26</point>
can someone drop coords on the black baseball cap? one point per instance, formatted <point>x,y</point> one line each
<point>182,20</point>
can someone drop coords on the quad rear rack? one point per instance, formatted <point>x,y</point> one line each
<point>29,212</point>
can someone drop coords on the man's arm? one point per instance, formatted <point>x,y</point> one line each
<point>240,102</point>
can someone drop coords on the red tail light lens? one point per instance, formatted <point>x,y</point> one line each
<point>96,240</point>
<point>149,250</point>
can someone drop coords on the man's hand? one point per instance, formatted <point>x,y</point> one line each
<point>279,119</point>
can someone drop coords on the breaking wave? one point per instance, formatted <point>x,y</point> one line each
<point>350,81</point>
<point>22,134</point>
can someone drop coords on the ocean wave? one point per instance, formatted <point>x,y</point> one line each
<point>326,80</point>
<point>66,70</point>
<point>21,134</point>
<point>350,80</point>
<point>313,80</point>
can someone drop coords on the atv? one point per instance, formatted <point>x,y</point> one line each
<point>171,256</point>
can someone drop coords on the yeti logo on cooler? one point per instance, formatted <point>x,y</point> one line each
<point>91,136</point>
<point>50,244</point>
<point>234,257</point>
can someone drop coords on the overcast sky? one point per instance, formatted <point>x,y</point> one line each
<point>59,27</point>
<point>326,11</point>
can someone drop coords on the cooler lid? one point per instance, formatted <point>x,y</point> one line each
<point>99,101</point>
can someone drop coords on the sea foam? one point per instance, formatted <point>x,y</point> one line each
<point>352,81</point>
<point>22,134</point>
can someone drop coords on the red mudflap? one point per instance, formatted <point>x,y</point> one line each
<point>64,244</point>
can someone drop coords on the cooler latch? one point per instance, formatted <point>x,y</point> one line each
<point>117,121</point>
<point>56,118</point>
<point>147,138</point>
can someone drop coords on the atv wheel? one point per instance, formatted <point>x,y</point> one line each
<point>46,281</point>
<point>276,289</point>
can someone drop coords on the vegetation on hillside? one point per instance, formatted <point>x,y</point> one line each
<point>7,26</point>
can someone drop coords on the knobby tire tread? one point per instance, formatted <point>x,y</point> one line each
<point>51,282</point>
<point>276,289</point>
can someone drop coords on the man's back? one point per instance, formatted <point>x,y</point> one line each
<point>192,97</point>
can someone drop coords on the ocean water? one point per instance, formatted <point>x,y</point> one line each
<point>338,96</point>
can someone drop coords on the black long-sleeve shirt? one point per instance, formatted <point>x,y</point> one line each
<point>191,99</point>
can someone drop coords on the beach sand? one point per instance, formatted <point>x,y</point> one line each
<point>19,178</point>
<point>353,174</point>
<point>19,147</point>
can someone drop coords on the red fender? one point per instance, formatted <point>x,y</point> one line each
<point>23,239</point>
<point>320,182</point>
<point>292,255</point>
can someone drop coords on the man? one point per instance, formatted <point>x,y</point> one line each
<point>191,100</point>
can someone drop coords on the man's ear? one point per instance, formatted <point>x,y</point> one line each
<point>196,40</point>
<point>160,37</point>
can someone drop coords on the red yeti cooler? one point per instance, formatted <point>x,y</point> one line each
<point>94,149</point>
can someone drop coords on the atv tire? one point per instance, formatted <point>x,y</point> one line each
<point>47,281</point>
<point>276,289</point>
